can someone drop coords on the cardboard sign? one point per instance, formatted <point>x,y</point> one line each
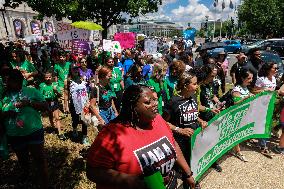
<point>116,47</point>
<point>107,45</point>
<point>189,36</point>
<point>81,47</point>
<point>66,33</point>
<point>150,46</point>
<point>126,40</point>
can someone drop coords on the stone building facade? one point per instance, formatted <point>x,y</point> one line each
<point>21,23</point>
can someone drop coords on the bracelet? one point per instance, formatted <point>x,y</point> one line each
<point>176,128</point>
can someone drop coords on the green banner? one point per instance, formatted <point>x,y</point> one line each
<point>251,118</point>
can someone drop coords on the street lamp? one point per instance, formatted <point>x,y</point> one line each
<point>2,9</point>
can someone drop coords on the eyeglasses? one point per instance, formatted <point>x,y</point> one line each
<point>109,61</point>
<point>276,68</point>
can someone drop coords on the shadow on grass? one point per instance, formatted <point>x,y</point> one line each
<point>64,172</point>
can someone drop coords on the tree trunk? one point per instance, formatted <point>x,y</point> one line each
<point>104,32</point>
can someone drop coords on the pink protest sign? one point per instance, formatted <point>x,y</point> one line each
<point>126,40</point>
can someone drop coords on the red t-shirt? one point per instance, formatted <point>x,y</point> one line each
<point>128,150</point>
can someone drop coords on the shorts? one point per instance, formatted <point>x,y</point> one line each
<point>107,114</point>
<point>53,105</point>
<point>22,142</point>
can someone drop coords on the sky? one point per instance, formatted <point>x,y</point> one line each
<point>192,11</point>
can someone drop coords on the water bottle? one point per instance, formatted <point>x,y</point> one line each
<point>153,178</point>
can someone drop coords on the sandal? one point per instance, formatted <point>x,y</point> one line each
<point>265,151</point>
<point>241,157</point>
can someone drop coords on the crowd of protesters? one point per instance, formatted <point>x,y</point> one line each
<point>139,100</point>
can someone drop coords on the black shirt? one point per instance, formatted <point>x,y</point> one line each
<point>183,112</point>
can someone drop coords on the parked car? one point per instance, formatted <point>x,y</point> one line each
<point>276,45</point>
<point>214,52</point>
<point>233,46</point>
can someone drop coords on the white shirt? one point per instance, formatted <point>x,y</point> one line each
<point>244,92</point>
<point>265,83</point>
<point>79,95</point>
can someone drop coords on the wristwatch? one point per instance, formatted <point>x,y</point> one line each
<point>187,174</point>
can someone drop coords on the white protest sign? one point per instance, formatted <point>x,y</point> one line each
<point>116,48</point>
<point>66,34</point>
<point>249,119</point>
<point>107,45</point>
<point>150,46</point>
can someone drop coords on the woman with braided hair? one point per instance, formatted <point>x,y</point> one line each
<point>137,139</point>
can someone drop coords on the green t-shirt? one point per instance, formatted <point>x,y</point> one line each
<point>25,66</point>
<point>116,79</point>
<point>62,71</point>
<point>162,92</point>
<point>47,90</point>
<point>30,117</point>
<point>171,83</point>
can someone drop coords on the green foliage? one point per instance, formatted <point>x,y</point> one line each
<point>262,17</point>
<point>177,33</point>
<point>104,12</point>
<point>200,33</point>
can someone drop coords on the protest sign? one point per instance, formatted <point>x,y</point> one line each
<point>116,47</point>
<point>66,33</point>
<point>81,47</point>
<point>107,45</point>
<point>126,40</point>
<point>249,119</point>
<point>189,36</point>
<point>150,46</point>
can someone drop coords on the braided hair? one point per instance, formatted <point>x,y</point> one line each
<point>130,98</point>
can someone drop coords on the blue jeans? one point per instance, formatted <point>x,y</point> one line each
<point>107,114</point>
<point>262,142</point>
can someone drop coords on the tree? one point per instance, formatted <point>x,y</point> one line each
<point>177,33</point>
<point>104,12</point>
<point>262,17</point>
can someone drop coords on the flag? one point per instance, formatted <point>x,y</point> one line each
<point>35,27</point>
<point>223,5</point>
<point>49,27</point>
<point>231,5</point>
<point>18,27</point>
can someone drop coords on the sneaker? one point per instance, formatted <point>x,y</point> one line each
<point>217,167</point>
<point>266,152</point>
<point>85,141</point>
<point>279,150</point>
<point>241,157</point>
<point>62,137</point>
<point>75,134</point>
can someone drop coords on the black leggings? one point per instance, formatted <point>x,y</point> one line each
<point>77,120</point>
<point>185,146</point>
<point>118,99</point>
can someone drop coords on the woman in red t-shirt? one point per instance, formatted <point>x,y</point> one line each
<point>137,139</point>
